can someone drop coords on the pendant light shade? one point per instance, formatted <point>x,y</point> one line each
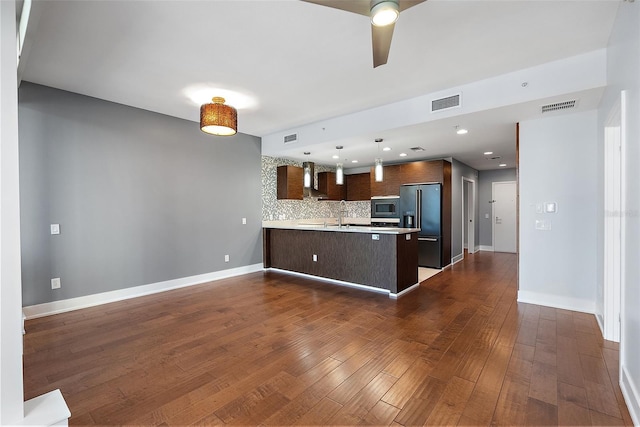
<point>306,167</point>
<point>339,174</point>
<point>339,168</point>
<point>217,118</point>
<point>377,171</point>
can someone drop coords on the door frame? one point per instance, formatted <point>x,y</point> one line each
<point>469,205</point>
<point>614,219</point>
<point>493,212</point>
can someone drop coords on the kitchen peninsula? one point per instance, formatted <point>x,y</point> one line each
<point>379,258</point>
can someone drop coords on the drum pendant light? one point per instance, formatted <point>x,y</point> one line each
<point>217,118</point>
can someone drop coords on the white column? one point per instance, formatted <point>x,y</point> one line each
<point>11,385</point>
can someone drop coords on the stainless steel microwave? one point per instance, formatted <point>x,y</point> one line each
<point>385,207</point>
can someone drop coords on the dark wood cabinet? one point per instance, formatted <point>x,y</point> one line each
<point>327,185</point>
<point>390,185</point>
<point>289,182</point>
<point>358,186</point>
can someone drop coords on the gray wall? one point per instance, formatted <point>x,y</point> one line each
<point>486,178</point>
<point>140,197</point>
<point>623,69</point>
<point>459,170</point>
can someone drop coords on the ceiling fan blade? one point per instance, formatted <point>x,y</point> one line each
<point>381,41</point>
<point>361,7</point>
<point>406,4</point>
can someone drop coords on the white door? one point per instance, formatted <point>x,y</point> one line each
<point>504,216</point>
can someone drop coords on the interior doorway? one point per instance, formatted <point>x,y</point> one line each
<point>468,215</point>
<point>503,213</point>
<point>614,208</point>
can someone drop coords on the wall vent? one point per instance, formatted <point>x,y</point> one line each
<point>558,106</point>
<point>445,103</point>
<point>290,139</point>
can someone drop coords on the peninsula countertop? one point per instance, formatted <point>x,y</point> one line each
<point>356,227</point>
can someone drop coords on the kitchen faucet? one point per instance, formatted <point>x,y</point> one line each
<point>342,210</point>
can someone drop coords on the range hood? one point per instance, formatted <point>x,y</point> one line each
<point>308,177</point>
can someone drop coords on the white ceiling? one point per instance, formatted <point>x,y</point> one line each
<point>300,63</point>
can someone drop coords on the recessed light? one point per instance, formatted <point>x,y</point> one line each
<point>354,161</point>
<point>488,153</point>
<point>386,149</point>
<point>335,156</point>
<point>403,154</point>
<point>502,165</point>
<point>462,131</point>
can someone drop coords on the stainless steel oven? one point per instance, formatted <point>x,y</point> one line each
<point>385,209</point>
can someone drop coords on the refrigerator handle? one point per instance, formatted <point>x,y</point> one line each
<point>419,209</point>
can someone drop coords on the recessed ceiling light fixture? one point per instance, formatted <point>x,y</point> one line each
<point>216,118</point>
<point>461,131</point>
<point>403,154</point>
<point>488,153</point>
<point>386,149</point>
<point>502,165</point>
<point>384,13</point>
<point>354,161</point>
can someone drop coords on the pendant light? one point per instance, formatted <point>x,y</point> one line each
<point>377,170</point>
<point>339,169</point>
<point>217,118</point>
<point>306,168</point>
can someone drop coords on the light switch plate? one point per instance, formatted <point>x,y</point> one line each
<point>543,224</point>
<point>407,236</point>
<point>244,221</point>
<point>550,207</point>
<point>55,283</point>
<point>375,237</point>
<point>55,228</point>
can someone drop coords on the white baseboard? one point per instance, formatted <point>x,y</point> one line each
<point>485,248</point>
<point>631,395</point>
<point>71,304</point>
<point>457,258</point>
<point>600,321</point>
<point>406,291</point>
<point>49,409</point>
<point>556,301</point>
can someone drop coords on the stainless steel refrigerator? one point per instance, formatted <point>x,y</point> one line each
<point>421,207</point>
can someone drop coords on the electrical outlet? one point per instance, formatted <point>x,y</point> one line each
<point>315,258</point>
<point>55,283</point>
<point>55,228</point>
<point>226,258</point>
<point>375,237</point>
<point>244,221</point>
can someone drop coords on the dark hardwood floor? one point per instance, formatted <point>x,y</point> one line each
<point>276,349</point>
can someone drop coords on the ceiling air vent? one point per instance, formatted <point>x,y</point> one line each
<point>558,106</point>
<point>445,103</point>
<point>417,149</point>
<point>290,139</point>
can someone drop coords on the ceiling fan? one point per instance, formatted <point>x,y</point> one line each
<point>383,14</point>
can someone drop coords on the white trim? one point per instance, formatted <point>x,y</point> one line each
<point>49,409</point>
<point>486,248</point>
<point>71,304</point>
<point>631,396</point>
<point>406,291</point>
<point>600,321</point>
<point>555,301</point>
<point>347,284</point>
<point>623,242</point>
<point>457,258</point>
<point>471,194</point>
<point>476,249</point>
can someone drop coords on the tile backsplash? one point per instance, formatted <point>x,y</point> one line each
<point>274,209</point>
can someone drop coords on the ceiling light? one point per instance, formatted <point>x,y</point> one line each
<point>384,13</point>
<point>335,156</point>
<point>488,153</point>
<point>217,118</point>
<point>377,171</point>
<point>354,161</point>
<point>502,165</point>
<point>462,131</point>
<point>386,149</point>
<point>403,154</point>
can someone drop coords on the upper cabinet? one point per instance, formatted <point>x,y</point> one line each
<point>409,173</point>
<point>327,185</point>
<point>289,182</point>
<point>358,186</point>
